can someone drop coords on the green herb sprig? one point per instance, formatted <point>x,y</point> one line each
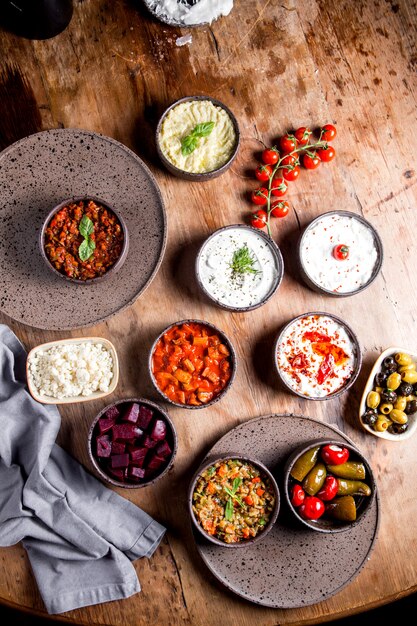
<point>228,513</point>
<point>87,246</point>
<point>190,142</point>
<point>243,262</point>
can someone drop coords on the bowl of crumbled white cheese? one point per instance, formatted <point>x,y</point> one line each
<point>72,370</point>
<point>188,13</point>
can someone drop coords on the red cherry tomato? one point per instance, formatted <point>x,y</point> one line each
<point>270,156</point>
<point>288,143</point>
<point>258,218</point>
<point>290,159</point>
<point>312,508</point>
<point>260,196</point>
<point>311,162</point>
<point>291,175</point>
<point>263,172</point>
<point>280,209</point>
<point>328,132</point>
<point>326,154</point>
<point>297,495</point>
<point>334,455</point>
<point>279,187</point>
<point>341,252</point>
<point>302,135</point>
<point>329,489</point>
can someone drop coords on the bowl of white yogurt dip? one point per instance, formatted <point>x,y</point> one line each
<point>197,138</point>
<point>317,356</point>
<point>339,254</point>
<point>239,267</point>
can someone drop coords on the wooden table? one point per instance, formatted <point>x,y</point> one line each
<point>278,64</point>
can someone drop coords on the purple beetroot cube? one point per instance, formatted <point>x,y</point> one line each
<point>119,460</point>
<point>156,462</point>
<point>145,416</point>
<point>137,456</point>
<point>112,413</point>
<point>126,431</point>
<point>132,413</point>
<point>103,446</point>
<point>118,447</point>
<point>163,449</point>
<point>148,442</point>
<point>159,430</point>
<point>117,473</point>
<point>105,424</point>
<point>136,473</point>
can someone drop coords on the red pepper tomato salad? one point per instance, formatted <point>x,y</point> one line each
<point>191,364</point>
<point>233,500</point>
<point>316,356</point>
<point>83,240</point>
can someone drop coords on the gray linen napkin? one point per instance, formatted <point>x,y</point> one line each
<point>80,536</point>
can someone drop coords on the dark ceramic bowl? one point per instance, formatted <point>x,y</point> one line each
<point>225,340</point>
<point>326,524</point>
<point>356,350</point>
<point>273,248</point>
<point>191,175</point>
<point>171,438</point>
<point>113,269</point>
<point>274,514</point>
<point>312,284</point>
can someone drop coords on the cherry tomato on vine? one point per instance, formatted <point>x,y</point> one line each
<point>341,252</point>
<point>260,196</point>
<point>329,132</point>
<point>280,209</point>
<point>311,162</point>
<point>297,495</point>
<point>326,154</point>
<point>334,455</point>
<point>291,175</point>
<point>270,156</point>
<point>288,143</point>
<point>302,135</point>
<point>329,489</point>
<point>258,218</point>
<point>279,187</point>
<point>312,508</point>
<point>290,159</point>
<point>263,172</point>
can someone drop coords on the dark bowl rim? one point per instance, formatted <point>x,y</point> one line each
<point>297,452</point>
<point>275,250</point>
<point>233,356</point>
<point>195,176</point>
<point>114,268</point>
<point>377,268</point>
<point>352,336</point>
<point>239,457</point>
<point>95,463</point>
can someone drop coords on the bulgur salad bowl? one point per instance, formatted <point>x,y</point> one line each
<point>233,501</point>
<point>72,370</point>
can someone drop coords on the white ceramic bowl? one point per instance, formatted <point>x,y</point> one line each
<point>72,399</point>
<point>412,419</point>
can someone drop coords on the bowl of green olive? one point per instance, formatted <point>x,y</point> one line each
<point>388,407</point>
<point>329,485</point>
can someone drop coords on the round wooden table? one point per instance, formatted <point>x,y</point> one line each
<point>277,65</point>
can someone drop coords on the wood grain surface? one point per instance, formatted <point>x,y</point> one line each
<point>277,64</point>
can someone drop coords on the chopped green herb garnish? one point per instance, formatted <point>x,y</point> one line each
<point>243,262</point>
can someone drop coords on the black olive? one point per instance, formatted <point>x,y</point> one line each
<point>370,417</point>
<point>380,379</point>
<point>389,364</point>
<point>411,407</point>
<point>405,389</point>
<point>397,429</point>
<point>388,396</point>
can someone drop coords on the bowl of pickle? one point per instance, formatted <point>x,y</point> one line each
<point>388,407</point>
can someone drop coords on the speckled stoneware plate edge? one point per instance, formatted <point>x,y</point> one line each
<point>368,387</point>
<point>202,545</point>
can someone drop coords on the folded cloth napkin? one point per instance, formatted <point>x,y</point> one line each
<point>79,535</point>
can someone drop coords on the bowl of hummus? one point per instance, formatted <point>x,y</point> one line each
<point>197,138</point>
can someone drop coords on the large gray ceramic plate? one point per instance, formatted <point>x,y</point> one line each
<point>292,567</point>
<point>36,174</point>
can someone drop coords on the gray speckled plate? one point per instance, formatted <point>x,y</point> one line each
<point>292,567</point>
<point>37,173</point>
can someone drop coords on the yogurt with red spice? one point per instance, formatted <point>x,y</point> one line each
<point>322,261</point>
<point>316,356</point>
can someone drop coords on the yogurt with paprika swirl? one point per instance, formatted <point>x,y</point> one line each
<point>317,356</point>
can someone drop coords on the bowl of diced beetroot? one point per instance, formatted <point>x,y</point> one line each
<point>132,443</point>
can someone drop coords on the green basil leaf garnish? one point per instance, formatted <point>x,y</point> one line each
<point>190,142</point>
